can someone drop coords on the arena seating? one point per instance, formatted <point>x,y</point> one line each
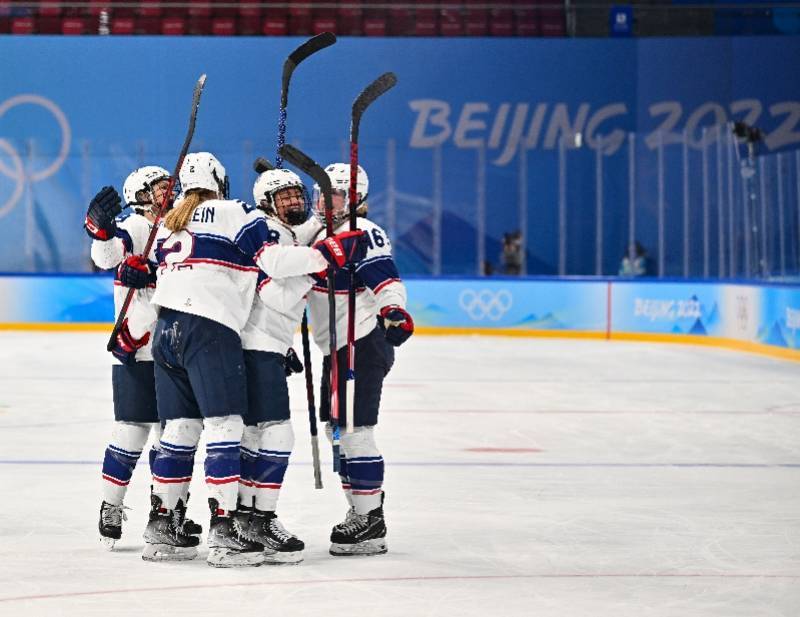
<point>427,18</point>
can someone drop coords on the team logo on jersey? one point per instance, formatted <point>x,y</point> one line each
<point>16,171</point>
<point>485,303</point>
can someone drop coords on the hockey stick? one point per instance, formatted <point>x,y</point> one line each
<point>320,176</point>
<point>260,165</point>
<point>311,46</point>
<point>198,91</point>
<point>368,96</point>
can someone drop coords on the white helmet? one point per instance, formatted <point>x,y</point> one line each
<point>142,179</point>
<point>339,173</point>
<point>269,183</point>
<point>201,170</point>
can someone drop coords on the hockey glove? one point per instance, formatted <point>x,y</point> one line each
<point>99,223</point>
<point>127,346</point>
<point>292,363</point>
<point>397,323</point>
<point>344,248</point>
<point>136,272</point>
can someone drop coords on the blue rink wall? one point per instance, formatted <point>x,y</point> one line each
<point>474,142</point>
<point>753,317</point>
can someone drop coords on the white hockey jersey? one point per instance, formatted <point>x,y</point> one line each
<point>377,284</point>
<point>278,305</point>
<point>129,239</point>
<point>211,267</point>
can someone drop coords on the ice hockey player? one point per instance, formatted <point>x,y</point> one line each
<point>208,253</point>
<point>269,359</point>
<point>381,323</point>
<point>117,237</point>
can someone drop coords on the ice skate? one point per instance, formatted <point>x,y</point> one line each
<point>186,525</point>
<point>229,543</point>
<point>110,524</point>
<point>280,546</point>
<point>348,518</point>
<point>365,534</point>
<point>164,540</point>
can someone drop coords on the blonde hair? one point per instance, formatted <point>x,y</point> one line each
<point>178,218</point>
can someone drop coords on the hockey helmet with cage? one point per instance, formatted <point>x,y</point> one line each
<point>202,170</point>
<point>142,179</point>
<point>267,186</point>
<point>339,173</point>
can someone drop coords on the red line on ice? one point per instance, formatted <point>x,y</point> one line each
<point>387,579</point>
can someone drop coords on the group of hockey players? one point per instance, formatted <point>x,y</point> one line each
<point>206,346</point>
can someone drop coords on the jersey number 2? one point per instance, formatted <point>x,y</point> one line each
<point>177,249</point>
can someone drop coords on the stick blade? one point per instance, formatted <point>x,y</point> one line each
<point>306,164</point>
<point>260,165</point>
<point>377,88</point>
<point>311,46</point>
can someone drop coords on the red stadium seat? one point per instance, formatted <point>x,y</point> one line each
<point>148,25</point>
<point>400,22</point>
<point>501,22</point>
<point>73,26</point>
<point>173,25</point>
<point>276,23</point>
<point>552,22</point>
<point>122,25</point>
<point>527,22</point>
<point>249,9</point>
<point>249,25</point>
<point>149,8</point>
<point>49,25</point>
<point>23,25</point>
<point>451,21</point>
<point>476,22</point>
<point>375,24</point>
<point>324,24</point>
<point>223,26</point>
<point>199,25</point>
<point>199,9</point>
<point>49,9</point>
<point>425,23</point>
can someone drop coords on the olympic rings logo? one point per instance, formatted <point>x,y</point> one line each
<point>17,171</point>
<point>485,304</point>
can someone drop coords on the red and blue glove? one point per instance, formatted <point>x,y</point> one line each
<point>126,346</point>
<point>104,207</point>
<point>136,272</point>
<point>344,248</point>
<point>397,323</point>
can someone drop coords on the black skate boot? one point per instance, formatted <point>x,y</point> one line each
<point>364,535</point>
<point>243,514</point>
<point>164,540</point>
<point>280,546</point>
<point>348,518</point>
<point>110,524</point>
<point>186,525</point>
<point>229,543</point>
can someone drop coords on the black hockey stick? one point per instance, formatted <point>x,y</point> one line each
<point>311,46</point>
<point>165,202</point>
<point>260,165</point>
<point>368,96</point>
<point>306,164</point>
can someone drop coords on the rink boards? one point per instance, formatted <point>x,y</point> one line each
<point>753,317</point>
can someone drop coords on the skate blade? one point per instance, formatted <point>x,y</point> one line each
<point>166,552</point>
<point>228,558</point>
<point>376,546</point>
<point>283,558</point>
<point>108,543</point>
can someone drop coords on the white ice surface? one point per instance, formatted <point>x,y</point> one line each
<point>524,477</point>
